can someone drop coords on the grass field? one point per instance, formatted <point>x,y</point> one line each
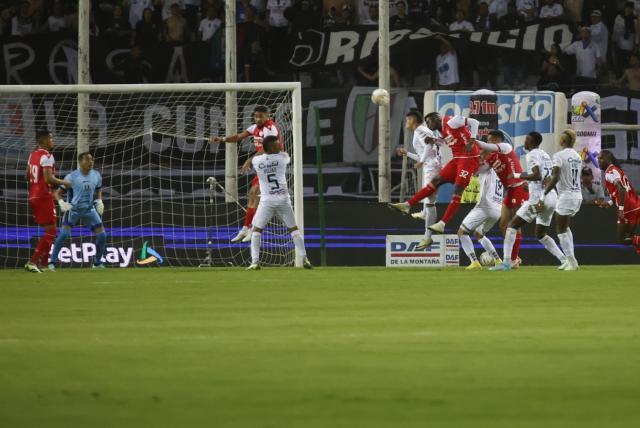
<point>322,348</point>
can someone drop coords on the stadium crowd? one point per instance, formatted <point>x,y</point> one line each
<point>605,50</point>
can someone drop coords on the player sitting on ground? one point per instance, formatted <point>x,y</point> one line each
<point>427,157</point>
<point>504,161</point>
<point>459,134</point>
<point>271,169</point>
<point>84,202</point>
<point>263,127</point>
<point>623,196</point>
<point>539,167</point>
<point>41,169</point>
<point>482,217</point>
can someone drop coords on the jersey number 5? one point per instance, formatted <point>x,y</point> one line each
<point>271,178</point>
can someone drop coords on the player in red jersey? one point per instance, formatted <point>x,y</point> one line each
<point>263,127</point>
<point>41,177</point>
<point>504,161</point>
<point>459,134</point>
<point>623,196</point>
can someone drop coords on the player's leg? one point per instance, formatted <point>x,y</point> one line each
<point>470,223</point>
<point>465,168</point>
<point>516,196</point>
<point>526,214</point>
<point>425,192</point>
<point>253,199</point>
<point>549,243</point>
<point>94,222</point>
<point>44,214</point>
<point>264,213</point>
<point>430,213</point>
<point>286,215</point>
<point>487,245</point>
<point>566,209</point>
<point>69,220</point>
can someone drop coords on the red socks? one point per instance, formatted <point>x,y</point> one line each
<point>41,254</point>
<point>425,192</point>
<point>516,247</point>
<point>248,219</point>
<point>452,208</point>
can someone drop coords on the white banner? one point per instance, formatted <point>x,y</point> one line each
<point>401,251</point>
<point>586,121</point>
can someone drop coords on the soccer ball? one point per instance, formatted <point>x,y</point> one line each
<point>380,97</point>
<point>486,259</point>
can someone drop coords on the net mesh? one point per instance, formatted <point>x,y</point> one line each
<point>153,153</point>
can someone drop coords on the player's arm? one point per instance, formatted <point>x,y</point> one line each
<point>621,192</point>
<point>52,180</point>
<point>555,177</point>
<point>534,176</point>
<point>504,148</point>
<point>230,139</point>
<point>64,205</point>
<point>247,165</point>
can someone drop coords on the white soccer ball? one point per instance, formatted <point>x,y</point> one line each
<point>380,97</point>
<point>486,259</point>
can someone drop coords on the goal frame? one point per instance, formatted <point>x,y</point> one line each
<point>296,115</point>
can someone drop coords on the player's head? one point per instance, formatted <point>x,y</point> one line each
<point>495,136</point>
<point>606,158</point>
<point>434,121</point>
<point>260,115</point>
<point>568,138</point>
<point>532,140</point>
<point>85,161</point>
<point>414,119</point>
<point>271,144</point>
<point>44,139</point>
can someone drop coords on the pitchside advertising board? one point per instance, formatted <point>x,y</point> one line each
<point>401,251</point>
<point>586,120</point>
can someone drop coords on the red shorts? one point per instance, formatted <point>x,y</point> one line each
<point>631,217</point>
<point>516,196</point>
<point>43,210</point>
<point>254,182</point>
<point>460,170</point>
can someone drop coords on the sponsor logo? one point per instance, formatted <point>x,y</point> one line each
<point>148,255</point>
<point>84,253</point>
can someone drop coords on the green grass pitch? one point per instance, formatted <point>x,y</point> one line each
<point>348,347</point>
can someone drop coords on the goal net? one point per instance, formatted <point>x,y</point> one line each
<point>164,184</point>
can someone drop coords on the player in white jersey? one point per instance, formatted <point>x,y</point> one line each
<point>539,207</point>
<point>271,168</point>
<point>483,216</point>
<point>427,157</point>
<point>565,177</point>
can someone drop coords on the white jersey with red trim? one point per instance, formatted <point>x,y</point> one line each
<point>258,133</point>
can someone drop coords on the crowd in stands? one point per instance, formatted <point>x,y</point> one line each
<point>604,52</point>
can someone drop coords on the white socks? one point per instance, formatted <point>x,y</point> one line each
<point>298,241</point>
<point>256,240</point>
<point>552,247</point>
<point>430,217</point>
<point>489,248</point>
<point>467,246</point>
<point>566,242</point>
<point>509,240</point>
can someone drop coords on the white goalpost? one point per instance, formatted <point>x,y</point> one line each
<point>164,184</point>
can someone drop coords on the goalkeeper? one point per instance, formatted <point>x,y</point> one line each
<point>84,202</point>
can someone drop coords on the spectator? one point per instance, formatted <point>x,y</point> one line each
<point>167,5</point>
<point>278,25</point>
<point>513,62</point>
<point>372,16</point>
<point>364,11</point>
<point>483,21</point>
<point>573,9</point>
<point>22,24</point>
<point>370,71</point>
<point>330,18</point>
<point>631,77</point>
<point>624,36</point>
<point>554,70</point>
<point>303,15</point>
<point>592,193</point>
<point>460,24</point>
<point>599,33</point>
<point>347,17</point>
<point>56,22</point>
<point>148,31</point>
<point>588,58</point>
<point>528,9</point>
<point>135,69</point>
<point>209,25</point>
<point>175,26</point>
<point>255,64</point>
<point>190,13</point>
<point>417,11</point>
<point>551,10</point>
<point>117,25</point>
<point>498,9</point>
<point>136,10</point>
<point>447,66</point>
<point>401,18</point>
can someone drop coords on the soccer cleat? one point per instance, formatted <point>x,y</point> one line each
<point>403,207</point>
<point>306,263</point>
<point>418,216</point>
<point>571,266</point>
<point>248,237</point>
<point>516,263</point>
<point>32,267</point>
<point>564,264</point>
<point>241,235</point>
<point>437,227</point>
<point>502,266</point>
<point>253,266</point>
<point>51,267</point>
<point>424,243</point>
<point>475,265</point>
<point>497,261</point>
<point>100,266</point>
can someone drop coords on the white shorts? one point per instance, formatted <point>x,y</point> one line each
<point>528,213</point>
<point>267,209</point>
<point>568,207</point>
<point>480,220</point>
<point>429,174</point>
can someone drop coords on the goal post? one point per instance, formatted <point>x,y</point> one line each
<point>151,146</point>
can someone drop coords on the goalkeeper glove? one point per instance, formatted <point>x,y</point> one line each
<point>64,206</point>
<point>99,206</point>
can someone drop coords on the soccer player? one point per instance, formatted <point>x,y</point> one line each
<point>41,171</point>
<point>482,217</point>
<point>84,202</point>
<point>427,157</point>
<point>263,127</point>
<point>459,134</point>
<point>504,161</point>
<point>623,196</point>
<point>539,169</point>
<point>271,168</point>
